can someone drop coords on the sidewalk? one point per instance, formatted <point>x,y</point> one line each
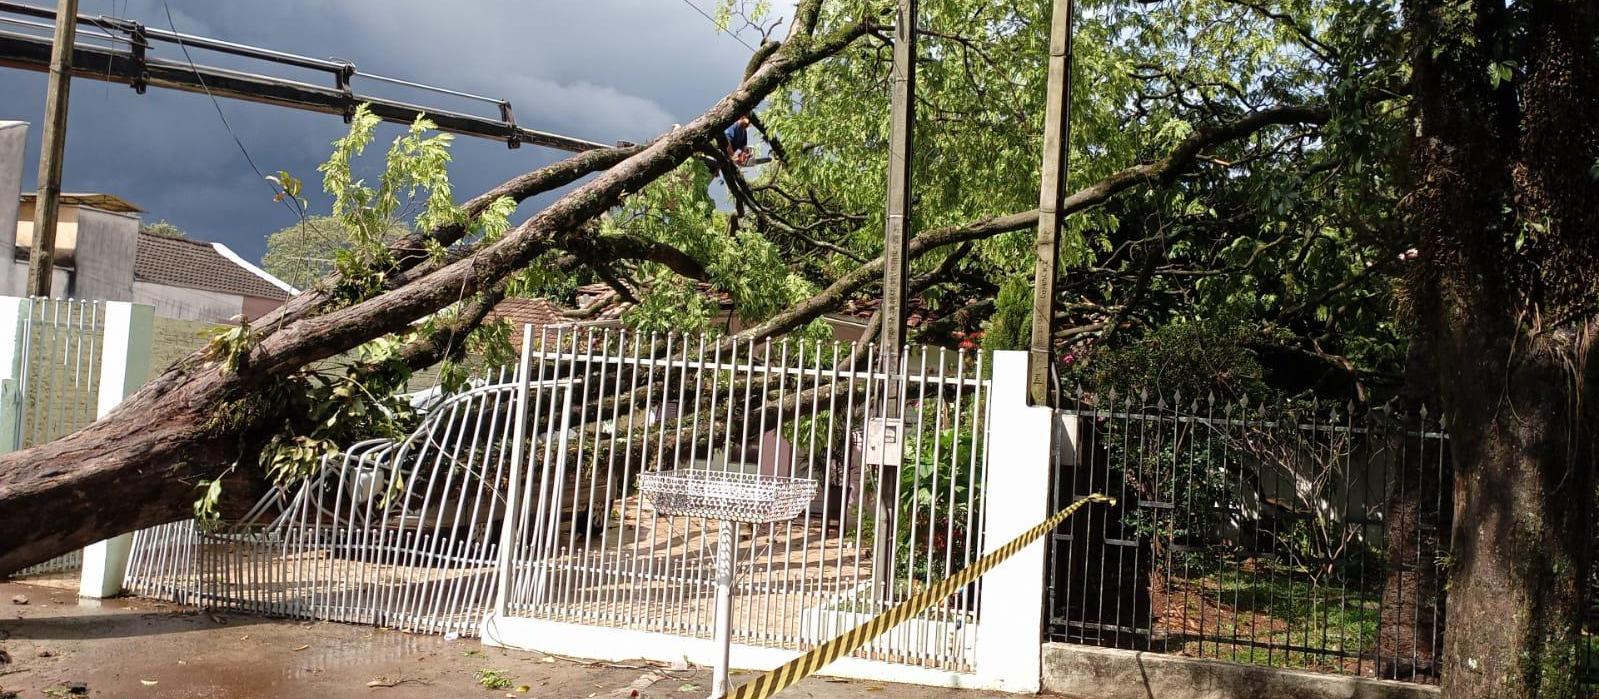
<point>140,648</point>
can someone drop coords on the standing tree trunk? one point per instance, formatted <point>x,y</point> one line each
<point>1504,205</point>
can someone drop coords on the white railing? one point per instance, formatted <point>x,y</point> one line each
<point>595,553</point>
<point>408,534</point>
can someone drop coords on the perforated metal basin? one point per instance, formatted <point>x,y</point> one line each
<point>736,497</point>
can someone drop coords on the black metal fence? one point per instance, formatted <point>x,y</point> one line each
<point>1291,534</point>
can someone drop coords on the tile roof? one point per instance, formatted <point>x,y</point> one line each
<point>194,264</point>
<point>536,312</point>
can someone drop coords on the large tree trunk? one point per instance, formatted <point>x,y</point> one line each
<point>1522,537</point>
<point>1503,299</point>
<point>139,466</point>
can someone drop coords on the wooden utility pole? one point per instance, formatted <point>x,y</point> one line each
<point>890,430</point>
<point>47,204</point>
<point>1051,195</point>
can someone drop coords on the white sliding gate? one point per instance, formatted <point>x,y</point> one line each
<point>402,534</point>
<point>594,553</point>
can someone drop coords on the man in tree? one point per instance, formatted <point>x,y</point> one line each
<point>738,141</point>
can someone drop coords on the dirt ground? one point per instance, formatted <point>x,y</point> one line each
<point>143,648</point>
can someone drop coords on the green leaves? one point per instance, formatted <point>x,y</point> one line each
<point>1500,72</point>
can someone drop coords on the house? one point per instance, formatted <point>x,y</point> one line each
<point>101,255</point>
<point>197,280</point>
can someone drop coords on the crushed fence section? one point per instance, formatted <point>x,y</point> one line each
<point>1295,536</point>
<point>592,551</point>
<point>402,534</point>
<point>56,385</point>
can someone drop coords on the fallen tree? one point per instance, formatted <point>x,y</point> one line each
<point>217,409</point>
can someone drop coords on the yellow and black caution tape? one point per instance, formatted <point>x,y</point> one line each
<point>804,666</point>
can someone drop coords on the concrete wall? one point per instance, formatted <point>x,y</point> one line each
<point>13,138</point>
<point>188,304</point>
<point>255,307</point>
<point>1084,672</point>
<point>107,244</point>
<point>15,278</point>
<point>174,339</point>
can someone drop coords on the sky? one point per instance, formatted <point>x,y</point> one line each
<point>603,70</point>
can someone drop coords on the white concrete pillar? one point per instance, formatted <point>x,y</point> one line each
<point>13,325</point>
<point>13,141</point>
<point>124,367</point>
<point>1016,498</point>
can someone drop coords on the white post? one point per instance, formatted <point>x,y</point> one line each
<point>13,326</point>
<point>1016,493</point>
<point>723,645</point>
<point>510,524</point>
<point>124,367</point>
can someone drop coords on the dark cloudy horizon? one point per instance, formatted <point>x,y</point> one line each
<point>603,70</point>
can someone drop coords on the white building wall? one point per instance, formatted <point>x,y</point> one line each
<point>107,244</point>
<point>188,304</point>
<point>14,277</point>
<point>13,138</point>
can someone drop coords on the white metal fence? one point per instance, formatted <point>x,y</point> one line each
<point>595,553</point>
<point>409,534</point>
<point>55,385</point>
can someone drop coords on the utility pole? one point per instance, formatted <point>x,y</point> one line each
<point>47,203</point>
<point>1051,196</point>
<point>890,429</point>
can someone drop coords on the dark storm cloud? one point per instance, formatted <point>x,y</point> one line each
<point>605,70</point>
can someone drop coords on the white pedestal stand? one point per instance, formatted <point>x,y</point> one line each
<point>729,498</point>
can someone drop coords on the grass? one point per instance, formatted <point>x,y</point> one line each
<point>1274,611</point>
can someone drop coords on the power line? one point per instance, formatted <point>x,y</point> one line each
<point>214,102</point>
<point>719,28</point>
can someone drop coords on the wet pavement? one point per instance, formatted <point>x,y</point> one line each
<point>146,649</point>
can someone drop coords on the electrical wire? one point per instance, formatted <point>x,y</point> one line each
<point>278,192</point>
<point>719,28</point>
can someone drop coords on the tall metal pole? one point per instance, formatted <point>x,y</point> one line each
<point>1051,195</point>
<point>47,204</point>
<point>897,221</point>
<point>722,644</point>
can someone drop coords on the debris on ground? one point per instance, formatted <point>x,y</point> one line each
<point>492,679</point>
<point>384,682</point>
<point>633,689</point>
<point>19,599</point>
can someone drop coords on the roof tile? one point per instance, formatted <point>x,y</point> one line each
<point>193,264</point>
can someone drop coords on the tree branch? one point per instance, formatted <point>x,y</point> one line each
<point>1158,173</point>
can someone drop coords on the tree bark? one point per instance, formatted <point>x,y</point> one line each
<point>1503,298</point>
